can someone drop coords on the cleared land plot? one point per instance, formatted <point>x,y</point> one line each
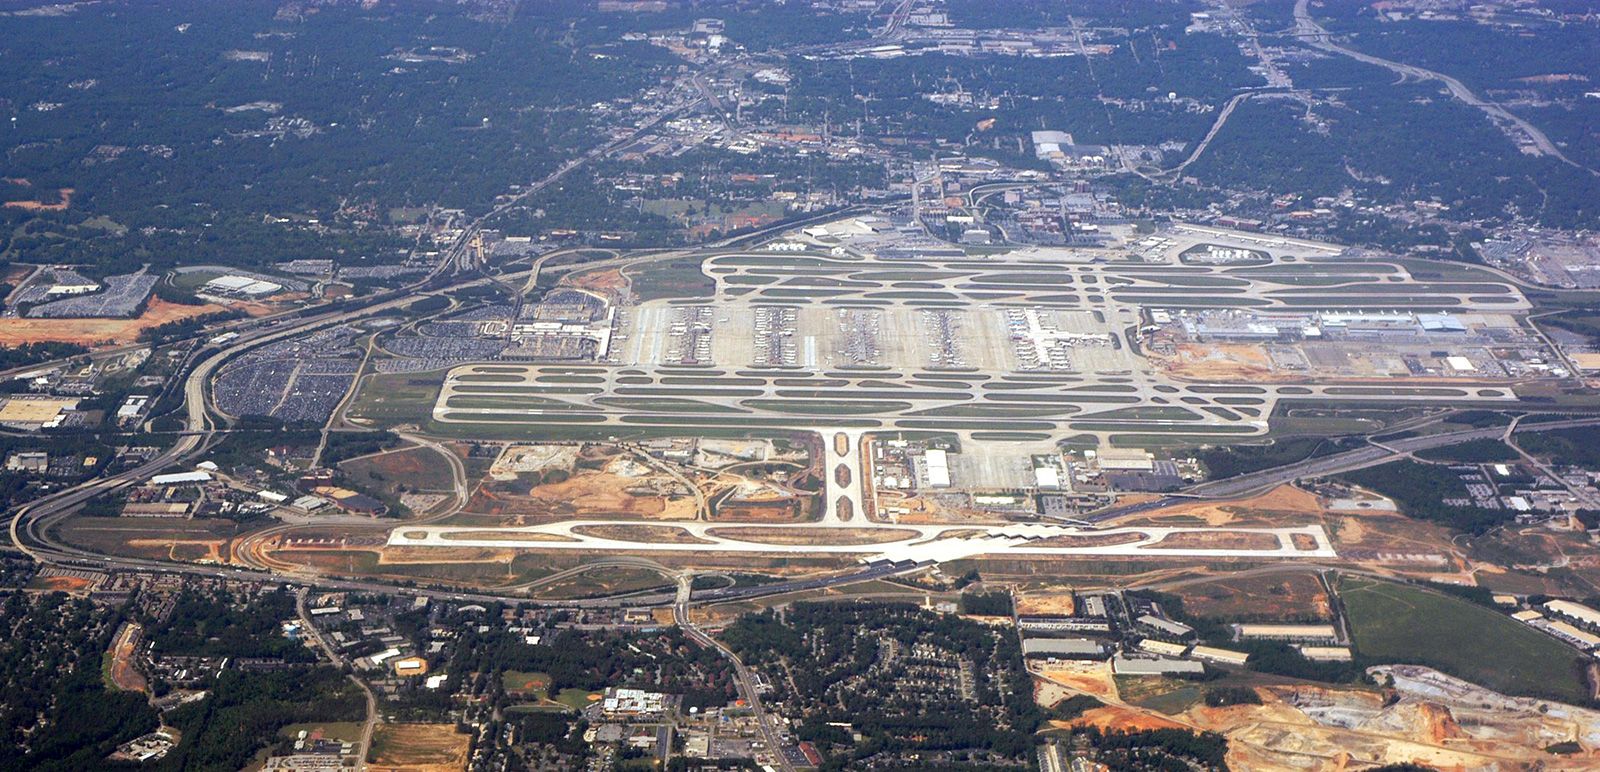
<point>155,538</point>
<point>1218,540</point>
<point>90,332</point>
<point>1397,623</point>
<point>418,748</point>
<point>601,581</point>
<point>416,469</point>
<point>1279,598</point>
<point>640,533</point>
<point>1090,540</point>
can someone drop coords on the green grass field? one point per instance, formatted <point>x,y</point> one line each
<point>418,469</point>
<point>574,698</point>
<point>348,731</point>
<point>397,398</point>
<point>523,683</point>
<point>1399,623</point>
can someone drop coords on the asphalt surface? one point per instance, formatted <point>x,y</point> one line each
<point>1322,466</point>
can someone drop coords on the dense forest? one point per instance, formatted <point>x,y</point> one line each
<point>226,135</point>
<point>212,625</point>
<point>1420,489</point>
<point>57,715</point>
<point>244,710</point>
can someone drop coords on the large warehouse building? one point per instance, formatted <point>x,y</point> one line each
<point>240,287</point>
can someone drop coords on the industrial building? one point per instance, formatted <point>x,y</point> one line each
<point>231,286</point>
<point>1288,633</point>
<point>1122,460</point>
<point>1063,624</point>
<point>31,413</point>
<point>1219,656</point>
<point>1162,648</point>
<point>1570,634</point>
<point>132,408</point>
<point>937,466</point>
<point>28,461</point>
<point>1326,653</point>
<point>1156,666</point>
<point>1165,626</point>
<point>181,478</point>
<point>1063,648</point>
<point>410,666</point>
<point>1575,612</point>
<point>1232,325</point>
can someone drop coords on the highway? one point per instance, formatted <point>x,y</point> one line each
<point>30,524</point>
<point>1169,175</point>
<point>1307,29</point>
<point>1347,461</point>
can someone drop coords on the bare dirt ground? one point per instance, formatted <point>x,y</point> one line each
<point>1047,694</point>
<point>1120,718</point>
<point>1089,540</point>
<point>419,748</point>
<point>413,468</point>
<point>641,533</point>
<point>788,511</point>
<point>590,494</point>
<point>123,674</point>
<point>1268,598</point>
<point>63,201</point>
<point>14,273</point>
<point>1283,505</point>
<point>1329,729</point>
<point>1092,678</point>
<point>60,583</point>
<point>1045,603</point>
<point>721,615</point>
<point>94,332</point>
<point>1217,540</point>
<point>1221,362</point>
<point>922,510</point>
<point>1394,541</point>
<point>610,282</point>
<point>1317,728</point>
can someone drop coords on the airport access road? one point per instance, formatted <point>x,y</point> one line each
<point>1348,461</point>
<point>746,682</point>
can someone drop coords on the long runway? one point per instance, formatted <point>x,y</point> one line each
<point>916,543</point>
